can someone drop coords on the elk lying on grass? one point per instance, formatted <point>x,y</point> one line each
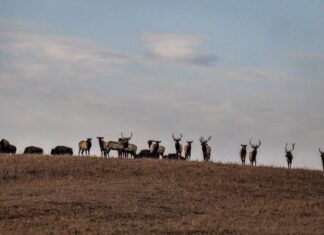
<point>206,149</point>
<point>322,156</point>
<point>177,145</point>
<point>33,150</point>
<point>243,153</point>
<point>187,150</point>
<point>85,146</point>
<point>253,153</point>
<point>289,156</point>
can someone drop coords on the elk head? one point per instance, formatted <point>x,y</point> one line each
<point>322,153</point>
<point>150,142</point>
<point>177,139</point>
<point>127,138</point>
<point>255,146</point>
<point>203,141</point>
<point>287,151</point>
<point>244,146</point>
<point>190,142</point>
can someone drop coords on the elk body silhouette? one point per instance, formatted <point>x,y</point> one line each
<point>253,153</point>
<point>177,145</point>
<point>85,146</point>
<point>103,146</point>
<point>6,147</point>
<point>187,150</point>
<point>206,149</point>
<point>289,156</point>
<point>243,153</point>
<point>322,156</point>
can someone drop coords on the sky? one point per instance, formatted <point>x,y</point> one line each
<point>233,70</point>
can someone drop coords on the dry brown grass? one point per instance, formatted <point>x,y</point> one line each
<point>73,195</point>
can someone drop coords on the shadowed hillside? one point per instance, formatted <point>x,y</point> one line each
<point>91,195</point>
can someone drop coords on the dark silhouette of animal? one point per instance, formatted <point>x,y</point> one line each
<point>206,149</point>
<point>187,150</point>
<point>243,153</point>
<point>289,156</point>
<point>62,150</point>
<point>6,147</point>
<point>103,146</point>
<point>322,156</point>
<point>253,153</point>
<point>146,153</point>
<point>177,145</point>
<point>33,150</point>
<point>119,146</point>
<point>85,146</point>
<point>173,156</point>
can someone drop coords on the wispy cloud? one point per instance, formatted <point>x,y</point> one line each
<point>178,47</point>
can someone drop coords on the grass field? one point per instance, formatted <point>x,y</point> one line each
<point>71,195</point>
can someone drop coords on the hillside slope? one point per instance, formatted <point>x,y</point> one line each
<point>91,195</point>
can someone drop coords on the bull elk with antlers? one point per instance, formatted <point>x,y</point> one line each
<point>289,156</point>
<point>119,146</point>
<point>206,149</point>
<point>253,153</point>
<point>177,145</point>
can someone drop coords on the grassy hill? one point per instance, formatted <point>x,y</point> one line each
<point>92,195</point>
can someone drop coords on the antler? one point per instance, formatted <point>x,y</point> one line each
<point>286,148</point>
<point>251,142</point>
<point>259,143</point>
<point>320,151</point>
<point>180,136</point>
<point>293,146</point>
<point>173,137</point>
<point>209,138</point>
<point>202,139</point>
<point>121,134</point>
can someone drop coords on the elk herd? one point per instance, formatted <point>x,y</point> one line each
<point>155,149</point>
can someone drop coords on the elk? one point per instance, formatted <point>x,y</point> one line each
<point>85,146</point>
<point>33,150</point>
<point>243,153</point>
<point>131,149</point>
<point>155,147</point>
<point>206,149</point>
<point>187,150</point>
<point>322,156</point>
<point>289,155</point>
<point>103,146</point>
<point>177,145</point>
<point>119,146</point>
<point>253,153</point>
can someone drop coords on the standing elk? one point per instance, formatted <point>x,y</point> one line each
<point>322,156</point>
<point>85,146</point>
<point>103,146</point>
<point>33,150</point>
<point>119,146</point>
<point>289,156</point>
<point>206,149</point>
<point>157,148</point>
<point>177,145</point>
<point>6,147</point>
<point>187,150</point>
<point>253,153</point>
<point>243,153</point>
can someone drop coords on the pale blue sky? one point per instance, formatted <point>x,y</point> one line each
<point>231,69</point>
